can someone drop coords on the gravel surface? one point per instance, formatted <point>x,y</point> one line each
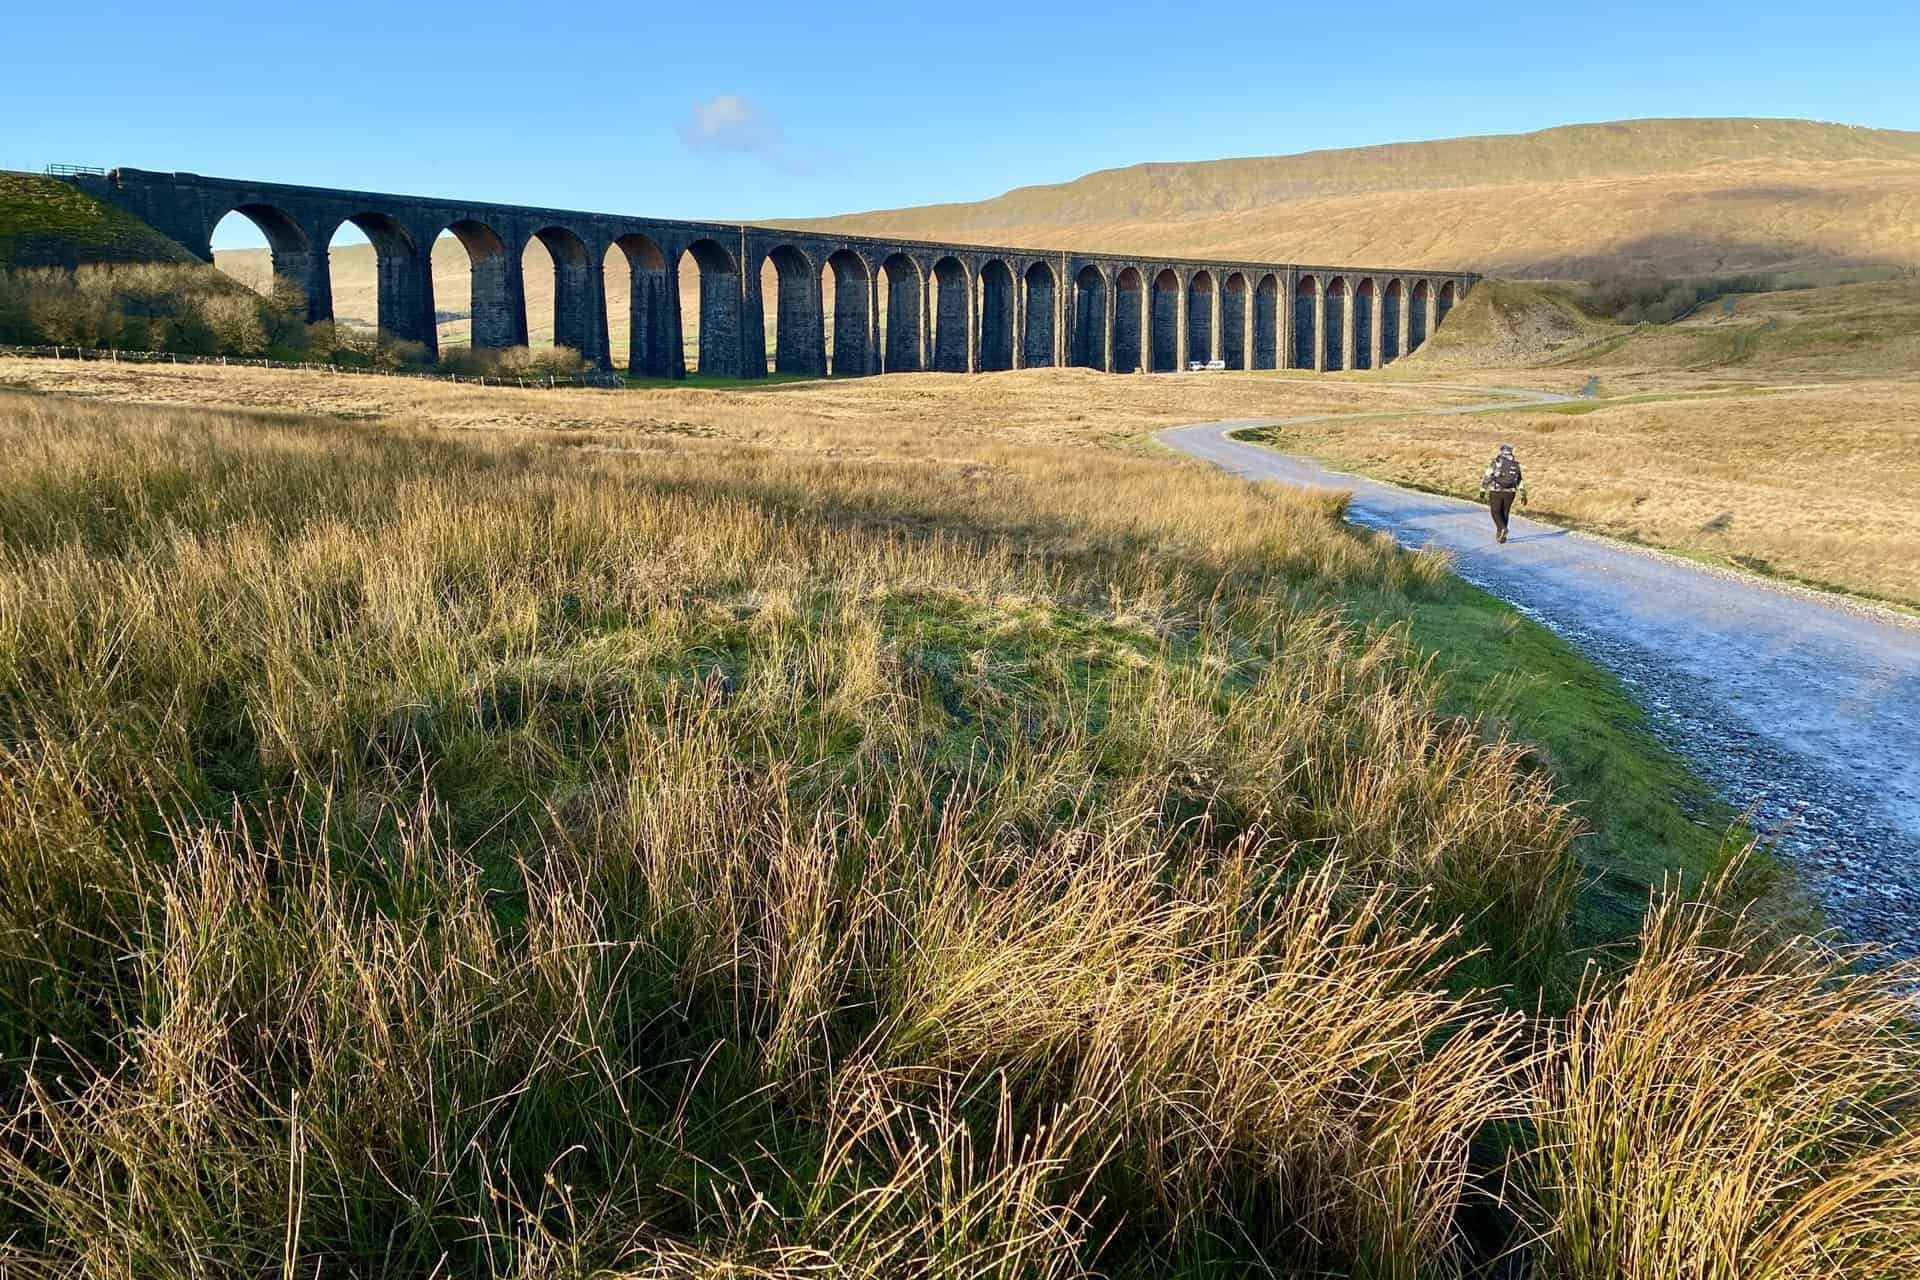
<point>1799,707</point>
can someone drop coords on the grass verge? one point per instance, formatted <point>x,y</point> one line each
<point>1650,821</point>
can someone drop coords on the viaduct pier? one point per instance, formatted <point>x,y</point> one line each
<point>897,305</point>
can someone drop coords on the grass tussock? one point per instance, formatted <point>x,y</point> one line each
<point>430,855</point>
<point>1732,1108</point>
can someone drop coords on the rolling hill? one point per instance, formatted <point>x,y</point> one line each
<point>1667,197</point>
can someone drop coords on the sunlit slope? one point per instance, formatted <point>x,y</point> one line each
<point>1662,196</point>
<point>1852,332</point>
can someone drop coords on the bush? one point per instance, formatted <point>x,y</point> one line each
<point>353,346</point>
<point>69,317</point>
<point>196,310</point>
<point>1657,300</point>
<point>187,310</point>
<point>512,362</point>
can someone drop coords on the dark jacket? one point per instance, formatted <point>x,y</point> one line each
<point>1496,482</point>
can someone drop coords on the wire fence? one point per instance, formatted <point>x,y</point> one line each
<point>602,380</point>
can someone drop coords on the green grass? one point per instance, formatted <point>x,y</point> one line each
<point>1649,817</point>
<point>45,222</point>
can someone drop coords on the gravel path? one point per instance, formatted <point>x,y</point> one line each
<point>1799,706</point>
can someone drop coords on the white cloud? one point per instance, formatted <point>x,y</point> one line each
<point>731,122</point>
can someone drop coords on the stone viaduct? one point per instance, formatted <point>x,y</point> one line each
<point>898,305</point>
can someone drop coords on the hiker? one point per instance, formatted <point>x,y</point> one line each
<point>1501,482</point>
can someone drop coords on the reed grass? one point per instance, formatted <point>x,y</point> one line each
<point>1734,1107</point>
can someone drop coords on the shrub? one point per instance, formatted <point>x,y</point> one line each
<point>59,311</point>
<point>525,362</point>
<point>189,310</point>
<point>1654,300</point>
<point>512,362</point>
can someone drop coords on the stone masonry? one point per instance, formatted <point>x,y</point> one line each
<point>958,308</point>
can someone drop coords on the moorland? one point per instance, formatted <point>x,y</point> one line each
<point>916,826</point>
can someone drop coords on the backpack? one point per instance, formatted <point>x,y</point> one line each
<point>1506,472</point>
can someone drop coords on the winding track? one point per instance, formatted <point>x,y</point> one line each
<point>1802,707</point>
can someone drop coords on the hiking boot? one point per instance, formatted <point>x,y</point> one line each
<point>1501,536</point>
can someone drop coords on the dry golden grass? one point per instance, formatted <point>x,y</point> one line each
<point>913,414</point>
<point>1811,482</point>
<point>389,818</point>
<point>1536,335</point>
<point>1784,437</point>
<point>1730,1111</point>
<point>1861,331</point>
<point>865,843</point>
<point>1817,484</point>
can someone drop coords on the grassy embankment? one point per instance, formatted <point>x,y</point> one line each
<point>48,223</point>
<point>1782,437</point>
<point>848,828</point>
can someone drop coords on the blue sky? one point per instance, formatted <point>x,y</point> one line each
<point>762,110</point>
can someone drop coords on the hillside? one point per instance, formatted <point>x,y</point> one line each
<point>1675,197</point>
<point>1505,324</point>
<point>48,223</point>
<point>1863,331</point>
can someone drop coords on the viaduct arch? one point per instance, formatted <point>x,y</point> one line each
<point>898,305</point>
